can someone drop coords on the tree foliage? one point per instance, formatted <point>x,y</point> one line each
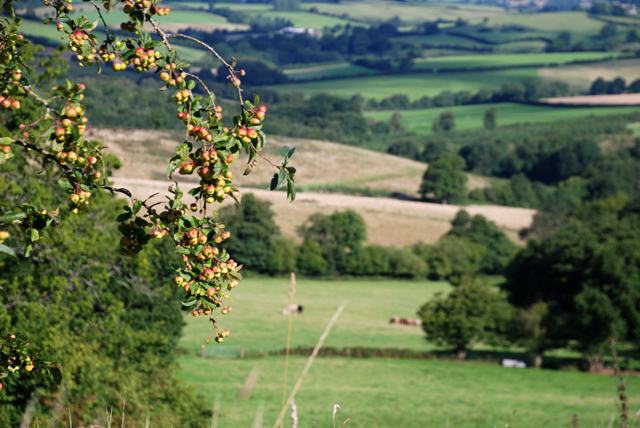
<point>587,273</point>
<point>445,178</point>
<point>472,312</point>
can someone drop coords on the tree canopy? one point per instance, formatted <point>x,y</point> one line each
<point>445,178</point>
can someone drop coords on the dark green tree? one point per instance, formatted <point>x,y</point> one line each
<point>479,230</point>
<point>445,122</point>
<point>490,118</point>
<point>395,124</point>
<point>588,272</point>
<point>445,178</point>
<point>339,235</point>
<point>253,232</point>
<point>530,331</point>
<point>471,313</point>
<point>309,260</point>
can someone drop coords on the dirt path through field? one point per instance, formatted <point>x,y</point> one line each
<point>389,221</point>
<point>595,100</point>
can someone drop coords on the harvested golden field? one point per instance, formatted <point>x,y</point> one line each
<point>579,77</point>
<point>321,165</point>
<point>596,100</point>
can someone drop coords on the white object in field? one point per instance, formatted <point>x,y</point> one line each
<point>517,364</point>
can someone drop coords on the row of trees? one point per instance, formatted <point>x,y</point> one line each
<point>334,245</point>
<point>575,287</point>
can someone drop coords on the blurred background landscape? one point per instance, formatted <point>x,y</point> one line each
<point>474,165</point>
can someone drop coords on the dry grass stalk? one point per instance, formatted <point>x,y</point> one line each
<point>249,384</point>
<point>57,407</point>
<point>109,416</point>
<point>292,293</point>
<point>215,418</point>
<point>345,422</point>
<point>124,404</point>
<point>313,356</point>
<point>294,414</point>
<point>257,423</point>
<point>30,411</point>
<point>336,407</point>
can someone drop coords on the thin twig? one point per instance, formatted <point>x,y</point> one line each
<point>313,356</point>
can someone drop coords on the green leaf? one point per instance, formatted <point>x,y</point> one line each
<point>285,152</point>
<point>123,217</point>
<point>182,250</point>
<point>178,192</point>
<point>189,302</point>
<point>282,176</point>
<point>137,206</point>
<point>65,183</point>
<point>191,84</point>
<point>5,141</point>
<point>6,250</point>
<point>34,235</point>
<point>13,216</point>
<point>291,190</point>
<point>274,182</point>
<point>291,152</point>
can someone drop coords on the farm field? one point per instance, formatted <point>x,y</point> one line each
<point>344,69</point>
<point>471,116</point>
<point>377,392</point>
<point>414,85</point>
<point>301,18</point>
<point>508,60</point>
<point>321,167</point>
<point>579,77</point>
<point>550,24</point>
<point>459,62</point>
<point>256,321</point>
<point>410,14</point>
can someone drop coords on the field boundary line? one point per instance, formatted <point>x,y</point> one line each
<point>310,362</point>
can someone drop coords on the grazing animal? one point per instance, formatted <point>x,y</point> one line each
<point>414,322</point>
<point>292,309</point>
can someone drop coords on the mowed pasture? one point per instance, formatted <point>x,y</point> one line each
<point>550,25</point>
<point>453,62</point>
<point>378,11</point>
<point>375,392</point>
<point>301,18</point>
<point>420,121</point>
<point>478,62</point>
<point>322,168</point>
<point>414,85</point>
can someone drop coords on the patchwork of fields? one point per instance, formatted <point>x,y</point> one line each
<point>414,85</point>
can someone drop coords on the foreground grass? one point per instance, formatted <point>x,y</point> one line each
<point>472,116</point>
<point>408,393</point>
<point>256,321</point>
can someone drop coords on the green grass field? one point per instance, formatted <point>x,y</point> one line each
<point>453,62</point>
<point>382,393</point>
<point>509,60</point>
<point>376,11</point>
<point>413,85</point>
<point>300,19</point>
<point>378,393</point>
<point>344,69</point>
<point>471,116</point>
<point>551,24</point>
<point>257,323</point>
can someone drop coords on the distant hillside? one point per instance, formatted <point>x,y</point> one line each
<point>322,167</point>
